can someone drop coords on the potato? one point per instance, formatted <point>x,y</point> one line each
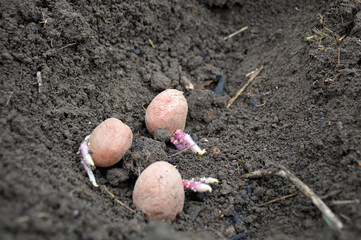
<point>159,191</point>
<point>167,110</point>
<point>109,141</point>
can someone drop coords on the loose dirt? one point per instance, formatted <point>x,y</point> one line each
<point>101,59</point>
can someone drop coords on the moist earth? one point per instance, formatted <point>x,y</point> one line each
<point>102,59</point>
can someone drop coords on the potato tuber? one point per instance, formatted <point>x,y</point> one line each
<point>109,141</point>
<point>167,110</point>
<point>105,146</point>
<point>159,191</point>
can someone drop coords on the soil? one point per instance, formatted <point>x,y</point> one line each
<point>101,59</point>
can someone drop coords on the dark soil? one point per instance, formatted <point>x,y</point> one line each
<point>96,60</point>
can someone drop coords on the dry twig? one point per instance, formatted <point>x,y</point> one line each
<point>343,202</point>
<point>277,199</point>
<point>69,45</point>
<point>40,82</point>
<point>235,33</point>
<point>117,200</point>
<point>44,20</point>
<point>253,77</point>
<point>285,173</point>
<point>151,43</point>
<point>338,66</point>
<point>11,94</point>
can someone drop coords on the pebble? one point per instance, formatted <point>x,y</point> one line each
<point>238,208</point>
<point>231,199</point>
<point>76,213</point>
<point>225,189</point>
<point>237,219</point>
<point>229,211</point>
<point>230,231</point>
<point>240,227</point>
<point>255,101</point>
<point>340,125</point>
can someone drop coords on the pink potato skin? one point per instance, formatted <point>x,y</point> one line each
<point>167,110</point>
<point>109,141</point>
<point>159,192</point>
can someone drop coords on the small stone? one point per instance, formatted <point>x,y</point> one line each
<point>230,232</point>
<point>340,125</point>
<point>217,213</point>
<point>229,211</point>
<point>255,101</point>
<point>67,133</point>
<point>225,189</point>
<point>137,51</point>
<point>240,227</point>
<point>237,219</point>
<point>231,199</point>
<point>76,213</point>
<point>238,208</point>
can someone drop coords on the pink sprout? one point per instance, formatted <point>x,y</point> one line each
<point>199,184</point>
<point>87,160</point>
<point>184,141</point>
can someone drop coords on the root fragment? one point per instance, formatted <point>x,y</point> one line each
<point>277,199</point>
<point>253,77</point>
<point>332,219</point>
<point>112,196</point>
<point>235,33</point>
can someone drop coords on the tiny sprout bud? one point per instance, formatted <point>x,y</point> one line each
<point>208,180</point>
<point>199,184</point>
<point>184,141</point>
<point>196,186</point>
<point>185,82</point>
